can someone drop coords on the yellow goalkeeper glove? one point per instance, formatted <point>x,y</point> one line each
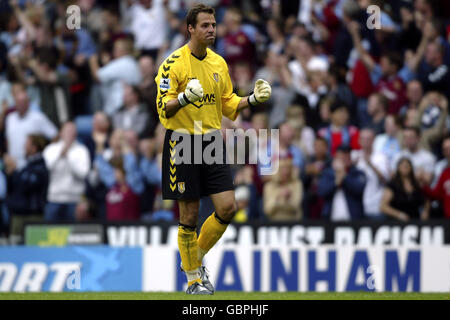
<point>261,93</point>
<point>192,93</point>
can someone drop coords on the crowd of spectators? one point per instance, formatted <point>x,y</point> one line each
<point>360,101</point>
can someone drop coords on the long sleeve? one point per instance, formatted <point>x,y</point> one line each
<point>272,204</point>
<point>47,128</point>
<point>79,161</point>
<point>51,155</point>
<point>270,198</point>
<point>105,171</point>
<point>30,180</point>
<point>167,85</point>
<point>438,193</point>
<point>354,183</point>
<point>151,171</point>
<point>327,186</point>
<point>134,176</point>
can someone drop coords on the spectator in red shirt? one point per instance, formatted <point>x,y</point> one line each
<point>121,202</point>
<point>339,132</point>
<point>237,45</point>
<point>441,191</point>
<point>388,76</point>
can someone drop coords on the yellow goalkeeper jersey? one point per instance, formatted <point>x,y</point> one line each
<point>218,97</point>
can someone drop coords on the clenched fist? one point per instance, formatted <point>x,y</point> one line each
<point>192,93</point>
<point>261,93</point>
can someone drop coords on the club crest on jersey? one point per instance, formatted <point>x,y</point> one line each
<point>216,76</point>
<point>181,187</point>
<point>164,84</point>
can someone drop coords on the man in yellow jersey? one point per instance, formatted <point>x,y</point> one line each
<point>194,92</point>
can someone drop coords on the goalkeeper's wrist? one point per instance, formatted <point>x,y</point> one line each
<point>252,100</point>
<point>182,99</point>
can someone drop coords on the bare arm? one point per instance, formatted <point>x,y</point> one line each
<point>243,104</point>
<point>380,176</point>
<point>388,210</point>
<point>172,107</point>
<point>426,210</point>
<point>353,28</point>
<point>42,75</point>
<point>283,71</point>
<point>324,34</point>
<point>93,65</point>
<point>23,20</point>
<point>414,59</point>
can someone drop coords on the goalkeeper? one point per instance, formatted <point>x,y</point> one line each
<point>194,85</point>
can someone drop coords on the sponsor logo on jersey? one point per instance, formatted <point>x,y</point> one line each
<point>164,84</point>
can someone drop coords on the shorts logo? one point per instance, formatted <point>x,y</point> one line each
<point>181,187</point>
<point>173,169</point>
<point>216,76</point>
<point>164,84</point>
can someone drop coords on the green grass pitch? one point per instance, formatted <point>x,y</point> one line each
<point>224,295</point>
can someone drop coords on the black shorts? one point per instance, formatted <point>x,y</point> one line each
<point>193,179</point>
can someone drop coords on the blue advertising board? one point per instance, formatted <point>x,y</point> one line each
<point>73,268</point>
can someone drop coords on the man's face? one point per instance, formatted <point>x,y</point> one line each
<point>432,54</point>
<point>387,68</point>
<point>366,138</point>
<point>147,66</point>
<point>21,100</point>
<point>372,105</point>
<point>340,117</point>
<point>205,30</point>
<point>390,126</point>
<point>410,139</point>
<point>320,148</point>
<point>344,157</point>
<point>414,91</point>
<point>69,132</point>
<point>129,96</point>
<point>287,133</point>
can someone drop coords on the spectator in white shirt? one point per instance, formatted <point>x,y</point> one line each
<point>149,25</point>
<point>305,63</point>
<point>122,68</point>
<point>24,122</point>
<point>423,161</point>
<point>68,164</point>
<point>132,116</point>
<point>375,166</point>
<point>389,143</point>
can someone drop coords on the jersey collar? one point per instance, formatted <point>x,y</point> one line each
<point>202,58</point>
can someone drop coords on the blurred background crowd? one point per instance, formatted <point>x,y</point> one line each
<point>362,112</point>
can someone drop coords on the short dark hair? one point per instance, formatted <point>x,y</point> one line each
<point>338,104</point>
<point>38,141</point>
<point>446,137</point>
<point>117,163</point>
<point>191,18</point>
<point>395,58</point>
<point>382,100</point>
<point>413,128</point>
<point>345,148</point>
<point>322,139</point>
